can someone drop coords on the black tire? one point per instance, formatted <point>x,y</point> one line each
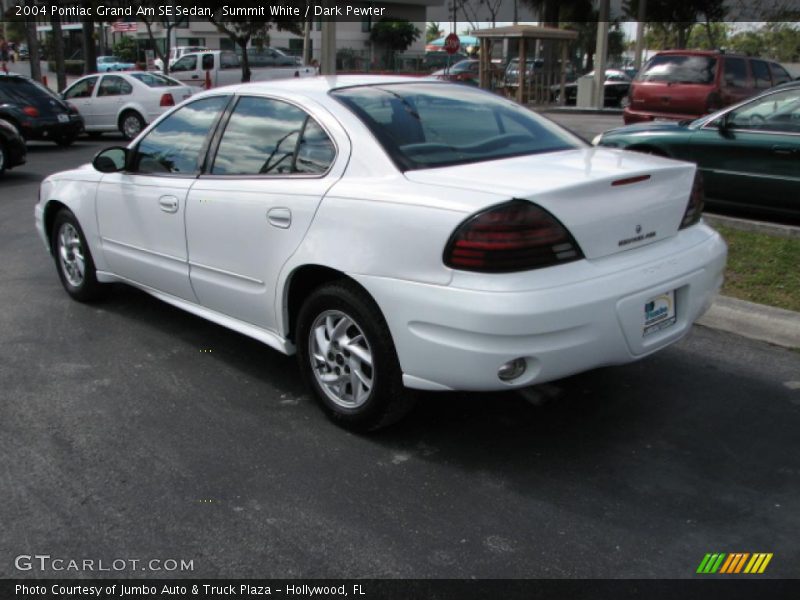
<point>3,158</point>
<point>65,140</point>
<point>95,135</point>
<point>387,400</point>
<point>83,287</point>
<point>131,124</point>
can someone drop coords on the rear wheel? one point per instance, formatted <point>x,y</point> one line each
<point>348,358</point>
<point>131,124</point>
<point>3,158</point>
<point>65,140</point>
<point>73,259</point>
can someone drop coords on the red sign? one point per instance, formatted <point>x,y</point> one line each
<point>452,43</point>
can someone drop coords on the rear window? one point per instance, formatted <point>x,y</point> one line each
<point>426,125</point>
<point>679,68</point>
<point>154,80</point>
<point>16,89</point>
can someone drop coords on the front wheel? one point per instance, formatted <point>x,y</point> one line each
<point>65,140</point>
<point>73,259</point>
<point>348,358</point>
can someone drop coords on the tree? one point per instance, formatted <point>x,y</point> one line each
<point>243,29</point>
<point>167,23</point>
<point>126,49</point>
<point>670,23</point>
<point>586,44</point>
<point>395,36</point>
<point>433,32</point>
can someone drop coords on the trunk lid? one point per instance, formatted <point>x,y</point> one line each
<point>610,200</point>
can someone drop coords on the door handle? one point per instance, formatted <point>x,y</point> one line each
<point>195,76</point>
<point>169,204</point>
<point>783,150</point>
<point>280,217</point>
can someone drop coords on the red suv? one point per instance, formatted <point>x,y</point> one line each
<point>687,84</point>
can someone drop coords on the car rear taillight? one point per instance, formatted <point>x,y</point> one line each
<point>515,236</point>
<point>694,209</point>
<point>167,100</point>
<point>713,102</point>
<point>31,111</point>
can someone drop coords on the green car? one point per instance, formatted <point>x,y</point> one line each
<point>749,153</point>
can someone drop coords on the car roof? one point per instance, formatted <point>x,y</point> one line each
<point>319,86</point>
<point>701,53</point>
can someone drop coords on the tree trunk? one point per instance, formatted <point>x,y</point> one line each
<point>58,52</point>
<point>33,47</point>
<point>89,52</point>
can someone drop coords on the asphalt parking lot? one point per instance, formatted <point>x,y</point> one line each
<point>129,429</point>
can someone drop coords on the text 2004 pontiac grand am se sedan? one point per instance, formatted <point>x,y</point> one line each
<point>395,233</point>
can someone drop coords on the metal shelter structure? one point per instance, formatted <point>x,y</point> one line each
<point>536,89</point>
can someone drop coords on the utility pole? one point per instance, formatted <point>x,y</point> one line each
<point>601,54</point>
<point>637,60</point>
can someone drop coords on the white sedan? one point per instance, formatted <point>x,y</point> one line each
<point>394,233</point>
<point>124,102</point>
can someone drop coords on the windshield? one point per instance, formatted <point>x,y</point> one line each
<point>678,68</point>
<point>425,125</point>
<point>154,80</point>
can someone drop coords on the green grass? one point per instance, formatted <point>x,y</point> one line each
<point>762,268</point>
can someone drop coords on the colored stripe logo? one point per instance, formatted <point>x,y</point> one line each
<point>734,563</point>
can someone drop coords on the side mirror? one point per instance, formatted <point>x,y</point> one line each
<point>724,123</point>
<point>111,160</point>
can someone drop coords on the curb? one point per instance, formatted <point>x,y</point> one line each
<point>574,110</point>
<point>755,321</point>
<point>776,229</point>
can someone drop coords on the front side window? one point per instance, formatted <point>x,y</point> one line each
<point>185,63</point>
<point>270,137</point>
<point>82,89</point>
<point>779,74</point>
<point>779,112</point>
<point>425,125</point>
<point>679,68</point>
<point>175,145</point>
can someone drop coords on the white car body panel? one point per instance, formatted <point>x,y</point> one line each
<point>387,230</point>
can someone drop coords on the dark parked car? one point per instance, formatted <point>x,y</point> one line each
<point>12,147</point>
<point>687,84</point>
<point>37,112</point>
<point>617,86</point>
<point>512,70</point>
<point>749,154</point>
<point>465,71</point>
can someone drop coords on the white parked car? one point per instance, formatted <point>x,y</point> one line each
<point>395,233</point>
<point>124,102</point>
<point>175,53</point>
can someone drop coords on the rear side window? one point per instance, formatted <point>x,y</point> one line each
<point>114,85</point>
<point>679,68</point>
<point>425,125</point>
<point>270,137</point>
<point>761,74</point>
<point>779,74</point>
<point>735,72</point>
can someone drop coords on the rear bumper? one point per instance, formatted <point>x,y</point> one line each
<point>642,116</point>
<point>456,339</point>
<point>48,129</point>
